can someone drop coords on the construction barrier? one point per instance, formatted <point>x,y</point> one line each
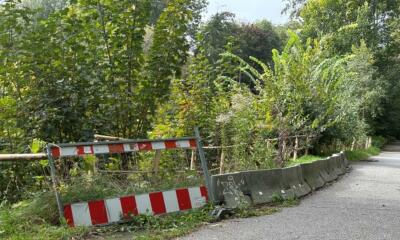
<point>101,212</point>
<point>261,186</point>
<point>293,183</point>
<point>338,164</point>
<point>326,172</point>
<point>230,189</point>
<point>264,185</point>
<point>312,176</point>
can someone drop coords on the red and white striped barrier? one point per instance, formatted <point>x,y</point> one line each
<point>113,147</point>
<point>116,209</point>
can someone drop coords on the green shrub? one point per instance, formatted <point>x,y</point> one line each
<point>379,141</point>
<point>362,154</point>
<point>304,159</point>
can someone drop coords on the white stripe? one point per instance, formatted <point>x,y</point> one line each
<point>183,144</point>
<point>87,149</point>
<point>143,204</point>
<point>195,197</point>
<point>100,149</point>
<point>114,209</point>
<point>68,151</point>
<point>127,147</point>
<point>81,214</point>
<point>171,201</point>
<point>157,145</point>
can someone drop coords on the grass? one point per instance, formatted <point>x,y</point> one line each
<point>31,220</point>
<point>362,154</point>
<point>304,159</point>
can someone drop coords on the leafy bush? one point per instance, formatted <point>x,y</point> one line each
<point>379,141</point>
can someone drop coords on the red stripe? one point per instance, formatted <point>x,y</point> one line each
<point>145,146</point>
<point>116,148</point>
<point>193,143</point>
<point>68,215</point>
<point>129,208</point>
<point>55,152</point>
<point>157,203</point>
<point>98,212</point>
<point>81,150</point>
<point>183,199</point>
<point>204,192</point>
<point>170,144</point>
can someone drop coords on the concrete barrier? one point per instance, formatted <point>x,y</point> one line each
<point>261,186</point>
<point>230,189</point>
<point>343,166</point>
<point>293,183</point>
<point>345,161</point>
<point>326,173</point>
<point>339,166</point>
<point>311,174</point>
<point>334,165</point>
<point>264,185</point>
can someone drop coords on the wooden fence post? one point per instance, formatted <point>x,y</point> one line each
<point>296,146</point>
<point>222,161</point>
<point>156,162</point>
<point>193,160</point>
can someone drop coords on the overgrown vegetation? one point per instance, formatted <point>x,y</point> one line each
<point>362,154</point>
<point>304,159</point>
<point>326,81</point>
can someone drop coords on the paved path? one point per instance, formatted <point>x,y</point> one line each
<point>364,204</point>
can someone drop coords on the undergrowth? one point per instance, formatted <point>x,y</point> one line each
<point>362,154</point>
<point>30,220</point>
<point>303,159</point>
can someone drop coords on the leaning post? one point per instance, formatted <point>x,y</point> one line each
<point>204,164</point>
<point>54,180</point>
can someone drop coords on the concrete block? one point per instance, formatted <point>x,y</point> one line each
<point>311,174</point>
<point>293,183</point>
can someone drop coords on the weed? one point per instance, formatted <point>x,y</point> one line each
<point>303,159</point>
<point>362,154</point>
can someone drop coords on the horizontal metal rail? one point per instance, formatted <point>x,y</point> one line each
<point>23,157</point>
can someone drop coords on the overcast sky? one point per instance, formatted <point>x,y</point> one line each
<point>250,10</point>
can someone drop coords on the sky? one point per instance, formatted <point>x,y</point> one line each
<point>250,10</point>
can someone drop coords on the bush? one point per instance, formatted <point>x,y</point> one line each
<point>363,154</point>
<point>379,141</point>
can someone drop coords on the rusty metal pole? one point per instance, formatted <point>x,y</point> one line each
<point>204,164</point>
<point>54,181</point>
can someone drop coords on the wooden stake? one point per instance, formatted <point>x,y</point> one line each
<point>193,160</point>
<point>222,162</point>
<point>156,162</point>
<point>296,146</point>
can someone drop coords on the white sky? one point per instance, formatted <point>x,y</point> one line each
<point>250,10</point>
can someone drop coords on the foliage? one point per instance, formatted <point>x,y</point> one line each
<point>304,159</point>
<point>362,154</point>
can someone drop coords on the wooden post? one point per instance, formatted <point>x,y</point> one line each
<point>193,160</point>
<point>156,162</point>
<point>353,144</point>
<point>296,146</point>
<point>222,162</point>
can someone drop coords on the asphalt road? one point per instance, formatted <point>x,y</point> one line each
<point>364,204</point>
